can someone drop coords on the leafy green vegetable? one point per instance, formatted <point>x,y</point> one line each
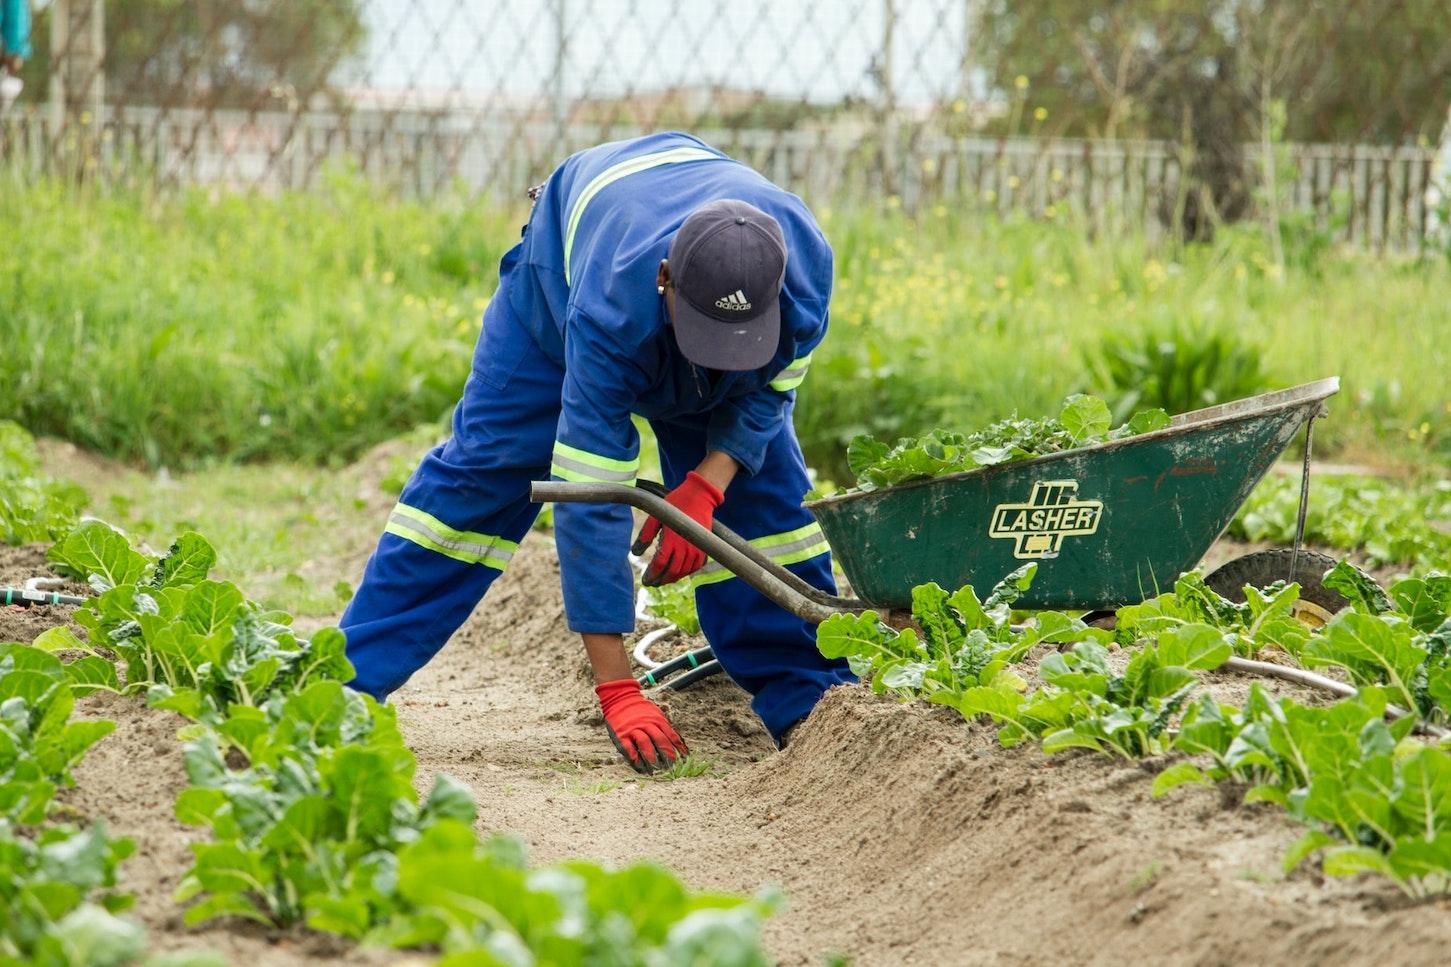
<point>966,645</point>
<point>1374,799</point>
<point>306,786</point>
<point>309,828</point>
<point>33,507</point>
<point>479,902</point>
<point>196,645</point>
<point>1389,522</point>
<point>675,603</point>
<point>1265,621</point>
<point>1084,420</point>
<point>38,742</point>
<point>58,898</point>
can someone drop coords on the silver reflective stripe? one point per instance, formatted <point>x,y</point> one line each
<point>614,173</point>
<point>598,473</point>
<point>786,374</point>
<point>494,551</point>
<point>776,553</point>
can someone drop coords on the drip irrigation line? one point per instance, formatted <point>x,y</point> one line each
<point>1302,677</point>
<point>642,647</point>
<point>694,675</point>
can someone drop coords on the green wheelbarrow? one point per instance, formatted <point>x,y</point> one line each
<point>1108,525</point>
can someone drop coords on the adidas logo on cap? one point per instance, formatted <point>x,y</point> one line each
<point>736,300</point>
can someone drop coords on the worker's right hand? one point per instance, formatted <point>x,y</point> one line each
<point>638,728</point>
<point>677,558</point>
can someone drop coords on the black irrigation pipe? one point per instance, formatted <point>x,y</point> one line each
<point>24,598</point>
<point>695,661</point>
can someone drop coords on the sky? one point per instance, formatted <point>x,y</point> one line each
<point>820,50</point>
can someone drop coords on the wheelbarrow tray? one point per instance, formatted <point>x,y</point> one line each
<point>1108,524</point>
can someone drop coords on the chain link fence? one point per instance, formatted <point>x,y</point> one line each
<point>875,101</point>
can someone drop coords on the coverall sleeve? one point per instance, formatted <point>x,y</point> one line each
<point>15,27</point>
<point>596,442</point>
<point>744,427</point>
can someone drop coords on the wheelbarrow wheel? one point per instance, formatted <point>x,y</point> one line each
<point>1317,604</point>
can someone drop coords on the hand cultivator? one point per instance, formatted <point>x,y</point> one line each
<point>1109,524</point>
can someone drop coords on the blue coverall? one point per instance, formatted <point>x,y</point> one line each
<point>575,340</point>
<point>15,28</point>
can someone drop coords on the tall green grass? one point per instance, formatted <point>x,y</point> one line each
<point>179,328</point>
<point>172,328</point>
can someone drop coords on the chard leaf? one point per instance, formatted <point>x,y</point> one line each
<point>190,559</point>
<point>1426,602</point>
<point>862,635</point>
<point>1359,588</point>
<point>95,549</point>
<point>1353,860</point>
<point>1312,842</point>
<point>449,799</point>
<point>1143,421</point>
<point>1194,646</point>
<point>211,606</point>
<point>1177,775</point>
<point>1085,417</point>
<point>863,452</point>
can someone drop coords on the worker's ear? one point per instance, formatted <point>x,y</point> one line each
<point>662,276</point>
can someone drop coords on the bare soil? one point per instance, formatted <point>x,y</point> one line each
<point>899,833</point>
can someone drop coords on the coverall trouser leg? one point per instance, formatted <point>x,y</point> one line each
<point>768,651</point>
<point>461,516</point>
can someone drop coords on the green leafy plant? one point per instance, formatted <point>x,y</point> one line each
<point>1083,420</point>
<point>33,506</point>
<point>964,645</point>
<point>675,603</point>
<point>58,899</point>
<point>479,902</point>
<point>1386,521</point>
<point>1263,622</point>
<point>38,742</point>
<point>198,645</point>
<point>309,828</point>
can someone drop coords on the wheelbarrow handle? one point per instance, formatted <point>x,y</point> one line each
<point>733,552</point>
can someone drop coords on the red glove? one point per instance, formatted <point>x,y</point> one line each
<point>638,728</point>
<point>678,558</point>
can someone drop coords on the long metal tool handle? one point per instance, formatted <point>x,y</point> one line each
<point>781,574</point>
<point>738,557</point>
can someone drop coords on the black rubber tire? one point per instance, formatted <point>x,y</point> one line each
<point>1263,568</point>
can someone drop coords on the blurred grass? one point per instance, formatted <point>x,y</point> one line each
<point>169,328</point>
<point>178,329</point>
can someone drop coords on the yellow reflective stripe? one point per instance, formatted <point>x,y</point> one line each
<point>790,547</point>
<point>613,174</point>
<point>581,466</point>
<point>793,375</point>
<point>429,532</point>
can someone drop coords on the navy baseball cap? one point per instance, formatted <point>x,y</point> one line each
<point>727,263</point>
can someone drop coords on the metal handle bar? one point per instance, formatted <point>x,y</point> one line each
<point>732,551</point>
<point>744,546</point>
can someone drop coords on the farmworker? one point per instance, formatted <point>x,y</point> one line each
<point>660,278</point>
<point>14,46</point>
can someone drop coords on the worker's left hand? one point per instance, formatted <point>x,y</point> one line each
<point>638,728</point>
<point>677,558</point>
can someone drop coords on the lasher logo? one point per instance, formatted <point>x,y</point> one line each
<point>1053,512</point>
<point>736,300</point>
